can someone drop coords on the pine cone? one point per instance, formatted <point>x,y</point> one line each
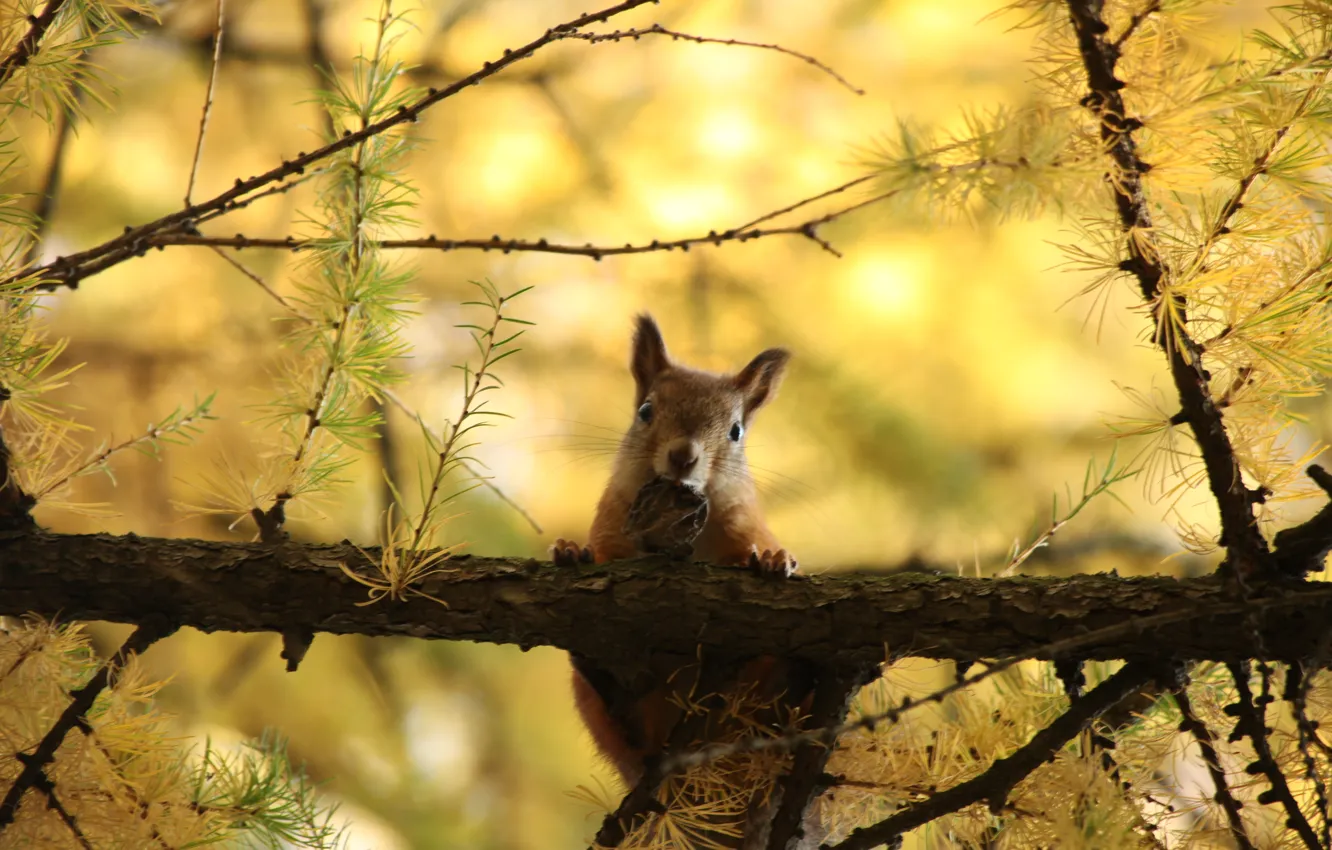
<point>666,517</point>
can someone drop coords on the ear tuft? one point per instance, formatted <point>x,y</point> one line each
<point>649,358</point>
<point>758,381</point>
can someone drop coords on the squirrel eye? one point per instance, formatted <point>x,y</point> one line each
<point>736,431</point>
<point>645,411</point>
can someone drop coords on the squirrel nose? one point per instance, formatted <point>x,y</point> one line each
<point>682,459</point>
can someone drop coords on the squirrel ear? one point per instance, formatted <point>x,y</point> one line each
<point>649,358</point>
<point>758,381</point>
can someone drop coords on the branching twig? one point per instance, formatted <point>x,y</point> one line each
<point>658,29</point>
<point>392,397</point>
<point>47,787</point>
<point>1247,551</point>
<point>485,480</point>
<point>69,270</point>
<point>1136,21</point>
<point>173,424</point>
<point>1093,485</point>
<point>1075,646</point>
<point>74,715</point>
<point>27,46</point>
<point>1207,746</point>
<point>1250,721</point>
<point>999,779</point>
<point>1297,695</point>
<point>208,100</point>
<point>807,229</point>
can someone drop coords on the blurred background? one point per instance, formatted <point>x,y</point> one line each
<point>947,382</point>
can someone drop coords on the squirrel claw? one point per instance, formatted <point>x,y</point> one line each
<point>566,553</point>
<point>779,564</point>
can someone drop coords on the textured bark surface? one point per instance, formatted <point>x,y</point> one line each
<point>615,613</point>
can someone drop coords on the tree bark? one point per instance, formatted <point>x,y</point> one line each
<point>614,613</point>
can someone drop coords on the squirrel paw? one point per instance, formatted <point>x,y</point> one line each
<point>566,553</point>
<point>779,564</point>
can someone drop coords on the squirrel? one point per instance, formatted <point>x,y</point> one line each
<point>689,431</point>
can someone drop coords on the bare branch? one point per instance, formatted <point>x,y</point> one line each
<point>807,229</point>
<point>208,100</point>
<point>658,29</point>
<point>69,270</point>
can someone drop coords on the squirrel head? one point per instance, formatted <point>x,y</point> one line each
<point>690,426</point>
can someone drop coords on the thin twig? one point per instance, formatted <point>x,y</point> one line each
<point>245,270</point>
<point>1207,746</point>
<point>658,29</point>
<point>1135,22</point>
<point>154,432</point>
<point>837,190</point>
<point>208,100</point>
<point>806,229</point>
<point>28,45</point>
<point>486,480</point>
<point>47,787</point>
<point>46,197</point>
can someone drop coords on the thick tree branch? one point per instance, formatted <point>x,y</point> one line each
<point>610,612</point>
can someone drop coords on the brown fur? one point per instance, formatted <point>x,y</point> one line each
<point>693,412</point>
